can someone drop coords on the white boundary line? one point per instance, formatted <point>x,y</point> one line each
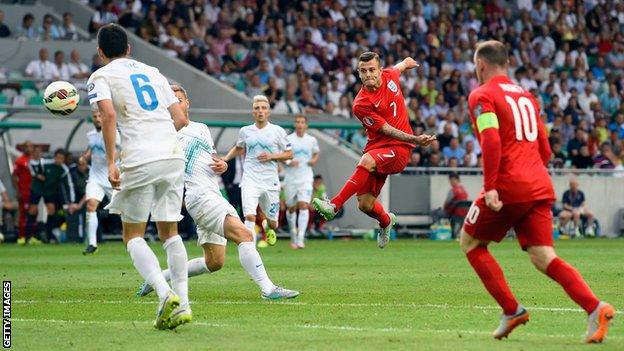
<point>298,303</point>
<point>343,328</point>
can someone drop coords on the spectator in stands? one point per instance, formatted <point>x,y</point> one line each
<point>67,30</point>
<point>574,145</point>
<point>5,32</point>
<point>574,207</point>
<point>77,69</point>
<point>42,68</point>
<point>454,150</point>
<point>27,29</point>
<point>344,108</point>
<point>359,139</point>
<point>289,103</point>
<point>610,101</point>
<point>601,160</point>
<point>96,63</point>
<point>22,179</point>
<point>470,157</point>
<point>103,15</point>
<point>557,158</point>
<point>48,30</point>
<point>61,66</point>
<point>445,137</point>
<point>583,159</point>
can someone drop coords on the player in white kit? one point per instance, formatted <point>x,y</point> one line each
<point>98,185</point>
<point>215,218</point>
<point>264,144</point>
<point>137,99</point>
<point>298,179</point>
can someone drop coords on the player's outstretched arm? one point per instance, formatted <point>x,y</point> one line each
<point>397,134</point>
<point>407,63</point>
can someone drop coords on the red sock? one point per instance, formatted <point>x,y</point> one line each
<point>573,283</point>
<point>379,214</point>
<point>493,278</point>
<point>357,180</point>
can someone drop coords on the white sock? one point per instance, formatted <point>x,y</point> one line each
<point>176,260</point>
<point>292,225</point>
<point>252,263</point>
<point>196,266</point>
<point>92,224</point>
<point>252,226</point>
<point>304,216</point>
<point>147,265</point>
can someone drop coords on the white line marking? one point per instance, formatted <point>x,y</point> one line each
<point>298,303</point>
<point>345,328</point>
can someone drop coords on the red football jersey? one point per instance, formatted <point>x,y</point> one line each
<point>522,175</point>
<point>22,172</point>
<point>384,105</point>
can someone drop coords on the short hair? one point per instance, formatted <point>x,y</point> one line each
<point>260,98</point>
<point>302,116</point>
<point>178,88</point>
<point>454,175</point>
<point>58,52</point>
<point>318,177</point>
<point>112,40</point>
<point>60,151</point>
<point>369,55</point>
<point>493,52</point>
<point>28,16</point>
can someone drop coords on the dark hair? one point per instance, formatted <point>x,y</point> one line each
<point>302,116</point>
<point>28,16</point>
<point>58,52</point>
<point>369,55</point>
<point>494,52</point>
<point>453,175</point>
<point>318,177</point>
<point>113,40</point>
<point>59,151</point>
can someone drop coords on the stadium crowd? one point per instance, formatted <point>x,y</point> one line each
<point>302,55</point>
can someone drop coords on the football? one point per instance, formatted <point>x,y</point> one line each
<point>61,98</point>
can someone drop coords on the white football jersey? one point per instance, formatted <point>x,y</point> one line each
<point>303,150</point>
<point>270,139</point>
<point>141,96</point>
<point>99,167</point>
<point>198,149</point>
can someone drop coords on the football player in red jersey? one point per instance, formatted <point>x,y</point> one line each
<point>21,183</point>
<point>517,193</point>
<point>380,106</point>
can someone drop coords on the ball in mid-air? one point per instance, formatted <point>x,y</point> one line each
<point>61,98</point>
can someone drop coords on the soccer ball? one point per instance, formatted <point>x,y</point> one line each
<point>61,98</point>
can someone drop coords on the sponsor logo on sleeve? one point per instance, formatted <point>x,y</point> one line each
<point>477,110</point>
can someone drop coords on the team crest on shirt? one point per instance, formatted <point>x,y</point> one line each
<point>393,86</point>
<point>368,121</point>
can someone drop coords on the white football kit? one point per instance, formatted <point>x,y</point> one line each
<point>151,159</point>
<point>298,180</point>
<point>203,198</point>
<point>98,184</point>
<point>260,183</point>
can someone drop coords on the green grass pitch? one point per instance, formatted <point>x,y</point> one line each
<point>413,295</point>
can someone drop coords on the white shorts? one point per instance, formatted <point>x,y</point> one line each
<point>297,193</point>
<point>97,191</point>
<point>267,199</point>
<point>155,188</point>
<point>209,212</point>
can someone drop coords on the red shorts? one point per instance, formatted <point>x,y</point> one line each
<point>532,222</point>
<point>388,160</point>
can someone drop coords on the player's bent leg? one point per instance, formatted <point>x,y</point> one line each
<point>251,261</point>
<point>358,180</point>
<point>493,279</point>
<point>368,204</point>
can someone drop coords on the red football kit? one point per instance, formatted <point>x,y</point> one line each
<point>22,172</point>
<point>374,109</point>
<point>515,148</point>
